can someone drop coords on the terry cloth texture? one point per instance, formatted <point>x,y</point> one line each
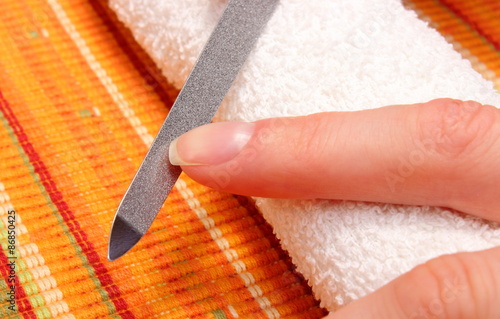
<point>335,56</point>
<point>79,105</point>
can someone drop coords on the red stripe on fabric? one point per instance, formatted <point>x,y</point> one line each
<point>23,305</point>
<point>63,209</point>
<point>467,19</point>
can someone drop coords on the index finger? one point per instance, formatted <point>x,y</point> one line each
<point>441,153</point>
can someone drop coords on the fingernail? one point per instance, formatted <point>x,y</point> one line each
<point>210,144</point>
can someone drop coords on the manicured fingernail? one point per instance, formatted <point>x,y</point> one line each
<point>210,144</point>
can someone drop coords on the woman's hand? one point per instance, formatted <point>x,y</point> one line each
<point>441,153</point>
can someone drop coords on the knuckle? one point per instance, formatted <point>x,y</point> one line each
<point>461,285</point>
<point>452,128</point>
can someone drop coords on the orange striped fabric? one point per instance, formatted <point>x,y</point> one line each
<point>472,26</point>
<point>80,103</point>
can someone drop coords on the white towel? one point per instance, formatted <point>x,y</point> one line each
<point>325,55</point>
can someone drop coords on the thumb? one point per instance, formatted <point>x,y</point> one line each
<point>441,153</point>
<point>464,285</point>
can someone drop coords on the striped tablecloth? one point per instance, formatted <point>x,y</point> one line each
<point>79,104</point>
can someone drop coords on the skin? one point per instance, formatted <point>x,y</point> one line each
<point>441,153</point>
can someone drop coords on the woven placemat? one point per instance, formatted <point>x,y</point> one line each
<point>79,104</point>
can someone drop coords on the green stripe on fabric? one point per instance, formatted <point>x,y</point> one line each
<point>219,314</point>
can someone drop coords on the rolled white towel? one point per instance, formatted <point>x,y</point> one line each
<point>327,55</point>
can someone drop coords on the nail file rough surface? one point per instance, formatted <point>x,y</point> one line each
<point>218,64</point>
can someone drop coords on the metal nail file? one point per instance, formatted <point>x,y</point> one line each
<point>225,52</point>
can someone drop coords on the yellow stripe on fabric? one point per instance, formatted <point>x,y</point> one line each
<point>129,68</point>
<point>100,72</point>
<point>225,247</point>
<point>81,91</point>
<point>32,272</point>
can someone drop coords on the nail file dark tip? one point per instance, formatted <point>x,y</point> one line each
<point>218,64</point>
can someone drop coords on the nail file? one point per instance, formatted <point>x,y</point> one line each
<point>225,52</point>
